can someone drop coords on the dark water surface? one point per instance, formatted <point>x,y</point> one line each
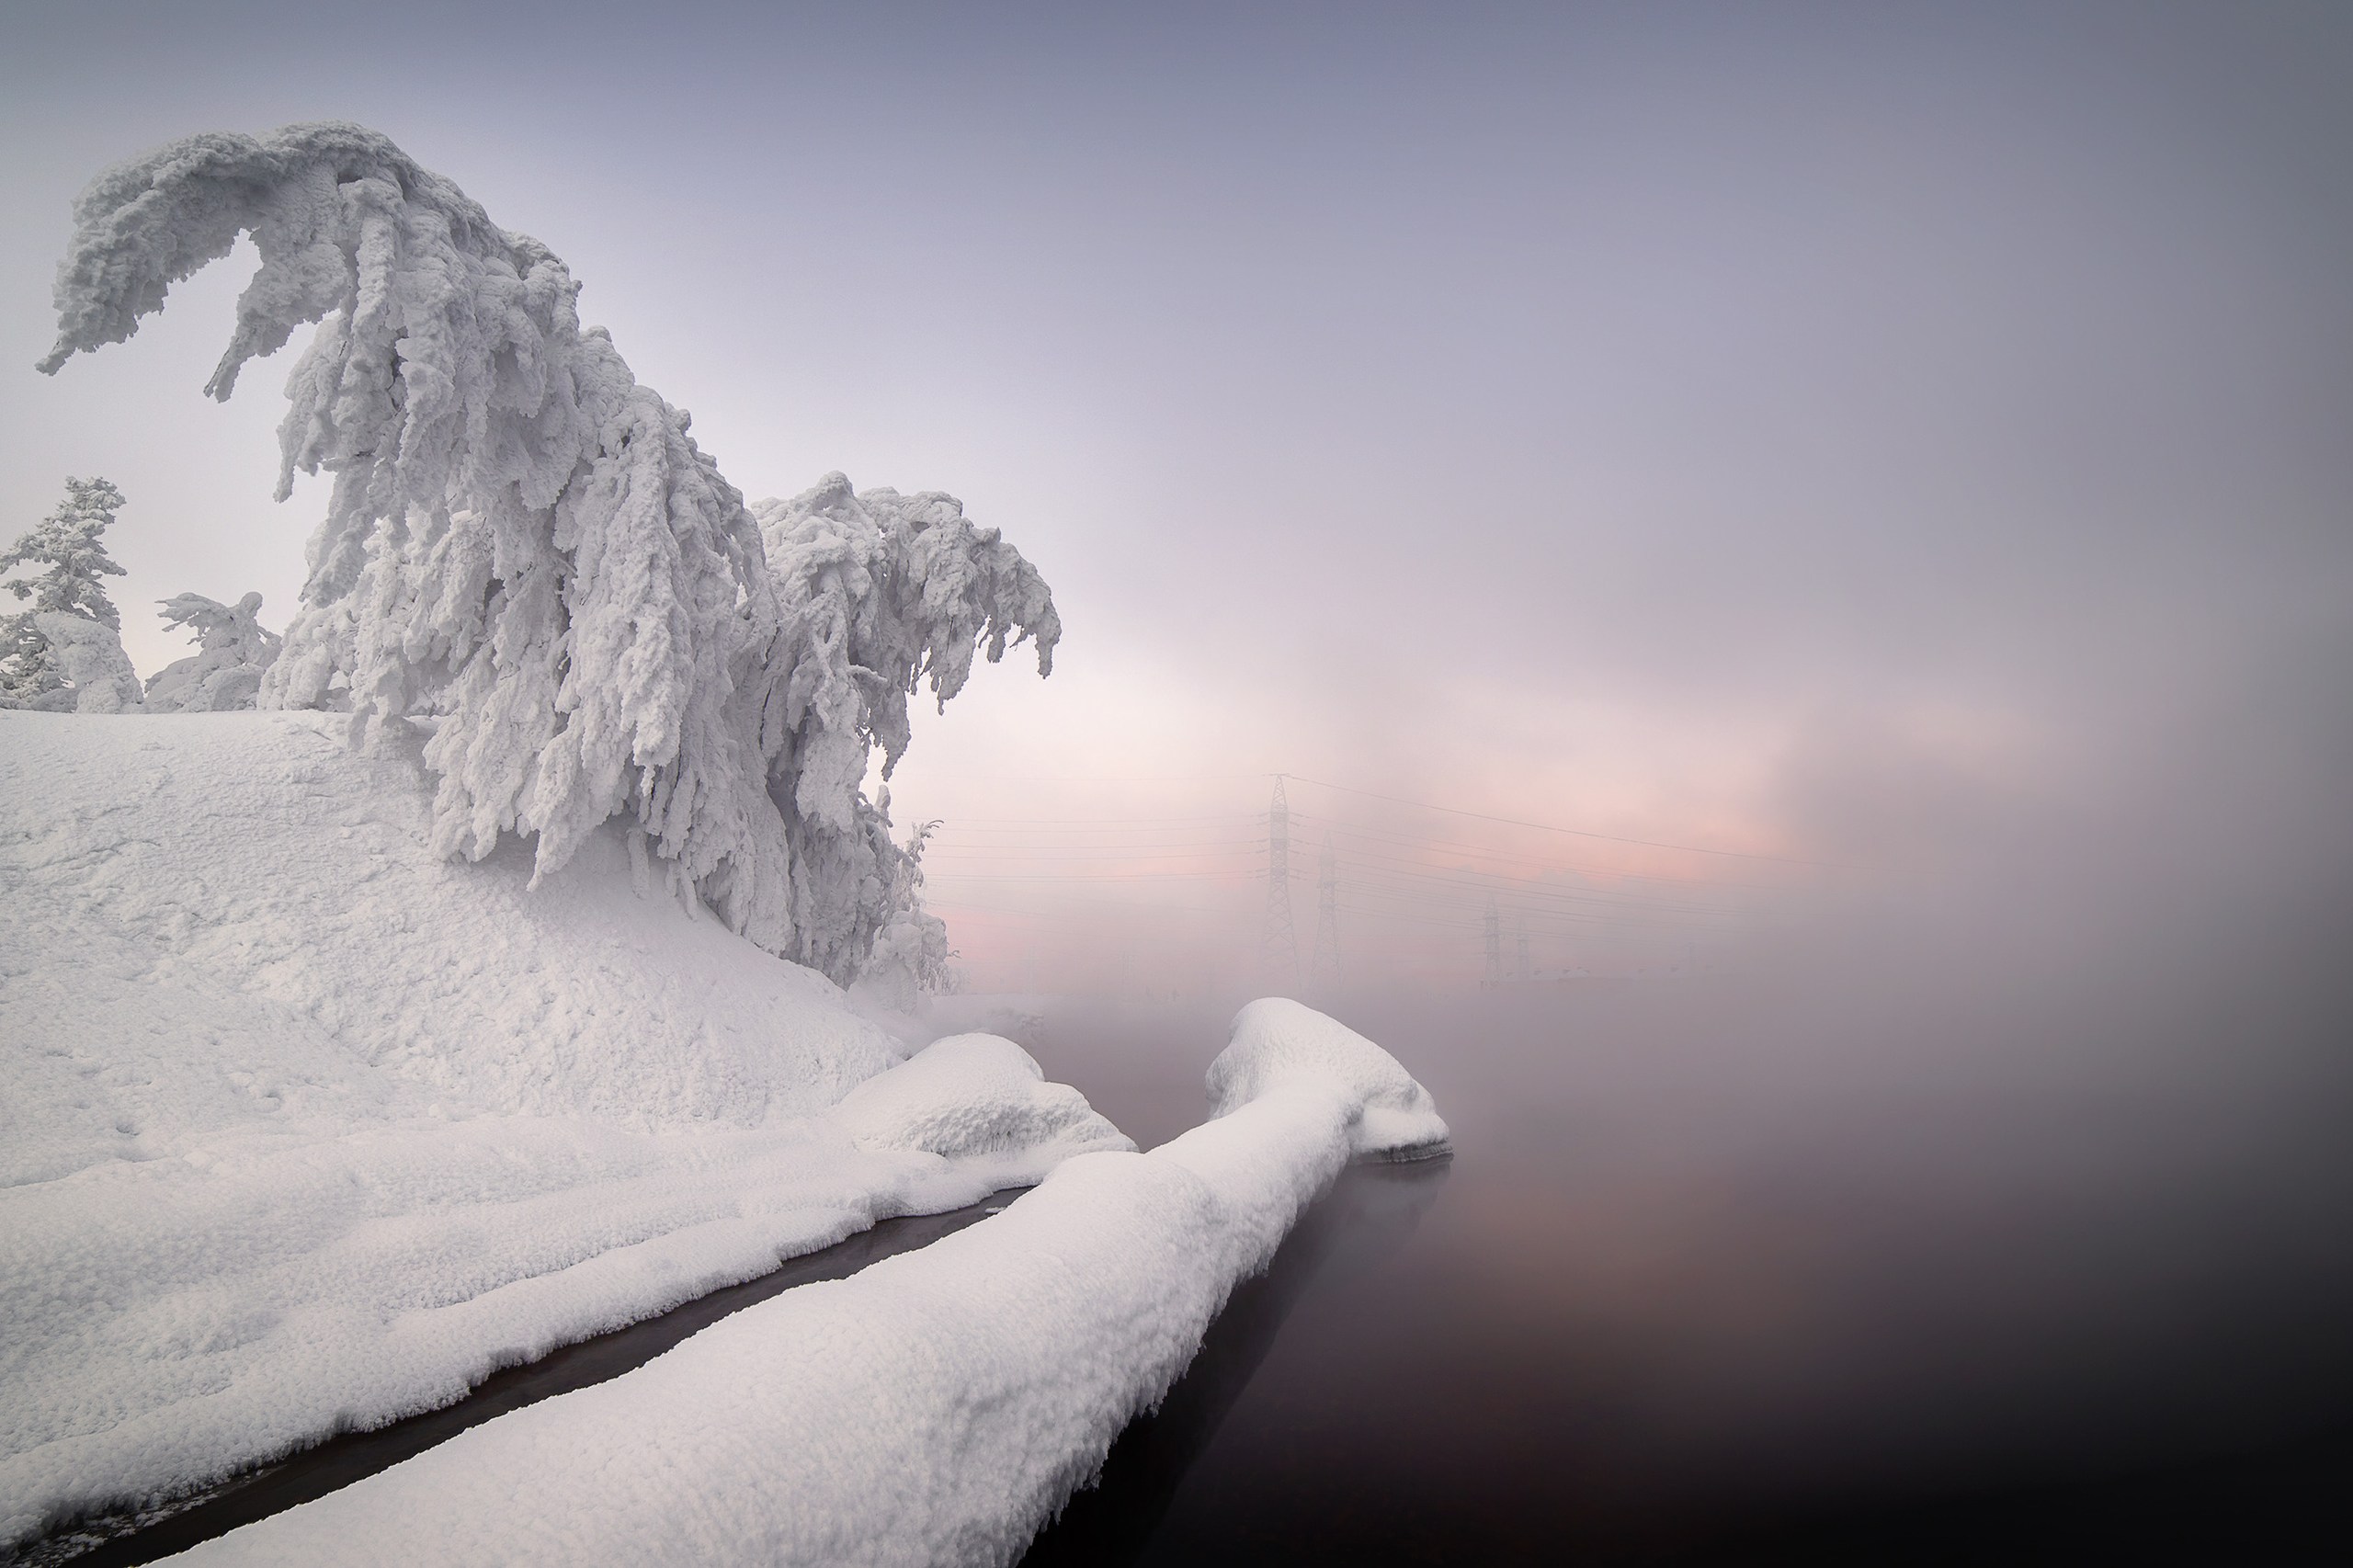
<point>1718,1277</point>
<point>1718,1273</point>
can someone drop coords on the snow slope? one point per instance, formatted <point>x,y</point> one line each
<point>302,1127</point>
<point>934,1409</point>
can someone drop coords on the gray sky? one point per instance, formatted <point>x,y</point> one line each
<point>1814,429</point>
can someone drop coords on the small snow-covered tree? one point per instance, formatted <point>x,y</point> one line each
<point>233,651</point>
<point>67,546</point>
<point>89,653</point>
<point>908,959</point>
<point>526,551</point>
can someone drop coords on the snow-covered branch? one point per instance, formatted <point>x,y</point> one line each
<point>881,594</point>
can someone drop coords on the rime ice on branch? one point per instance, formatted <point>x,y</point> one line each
<point>525,546</point>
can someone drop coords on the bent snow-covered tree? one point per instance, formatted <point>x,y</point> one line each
<point>234,650</point>
<point>523,545</point>
<point>881,594</point>
<point>65,649</point>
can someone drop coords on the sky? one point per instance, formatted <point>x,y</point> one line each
<point>1890,439</point>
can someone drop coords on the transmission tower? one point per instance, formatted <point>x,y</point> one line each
<point>1495,934</point>
<point>1519,970</point>
<point>1326,962</point>
<point>1281,949</point>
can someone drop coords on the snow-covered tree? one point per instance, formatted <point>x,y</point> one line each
<point>881,594</point>
<point>74,563</point>
<point>525,549</point>
<point>908,958</point>
<point>234,650</point>
<point>89,653</point>
<point>522,542</point>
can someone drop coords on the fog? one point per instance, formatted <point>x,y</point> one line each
<point>1833,519</point>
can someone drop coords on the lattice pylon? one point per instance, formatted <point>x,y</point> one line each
<point>1325,965</point>
<point>1280,950</point>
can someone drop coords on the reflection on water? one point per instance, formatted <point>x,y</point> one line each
<point>1836,1296</point>
<point>1369,1210</point>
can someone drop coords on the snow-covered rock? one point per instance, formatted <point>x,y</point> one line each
<point>304,1126</point>
<point>932,1410</point>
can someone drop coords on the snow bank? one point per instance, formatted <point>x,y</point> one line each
<point>935,1409</point>
<point>976,1095</point>
<point>1277,1042</point>
<point>302,1127</point>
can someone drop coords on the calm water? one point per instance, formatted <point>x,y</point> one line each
<point>1724,1272</point>
<point>1721,1276</point>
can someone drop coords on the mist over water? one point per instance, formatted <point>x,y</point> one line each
<point>1721,1257</point>
<point>2002,1189</point>
<point>1878,476</point>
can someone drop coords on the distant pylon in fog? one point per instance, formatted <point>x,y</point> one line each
<point>1519,970</point>
<point>1495,934</point>
<point>1325,965</point>
<point>1281,948</point>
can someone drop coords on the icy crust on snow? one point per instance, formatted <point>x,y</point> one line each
<point>935,1409</point>
<point>1277,1041</point>
<point>303,1128</point>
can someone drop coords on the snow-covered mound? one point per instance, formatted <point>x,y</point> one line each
<point>1277,1041</point>
<point>972,1094</point>
<point>935,1409</point>
<point>302,1127</point>
<point>249,879</point>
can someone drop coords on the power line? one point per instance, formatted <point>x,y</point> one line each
<point>952,821</point>
<point>1520,891</point>
<point>1350,829</point>
<point>952,875</point>
<point>1506,881</point>
<point>1010,852</point>
<point>1550,827</point>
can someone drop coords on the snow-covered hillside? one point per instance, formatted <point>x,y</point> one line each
<point>302,1126</point>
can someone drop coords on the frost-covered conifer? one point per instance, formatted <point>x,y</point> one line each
<point>909,957</point>
<point>524,548</point>
<point>33,672</point>
<point>89,654</point>
<point>233,651</point>
<point>522,542</point>
<point>881,596</point>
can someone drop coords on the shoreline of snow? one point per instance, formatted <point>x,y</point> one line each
<point>938,1407</point>
<point>303,1128</point>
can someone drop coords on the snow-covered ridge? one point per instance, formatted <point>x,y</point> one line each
<point>935,1409</point>
<point>304,1126</point>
